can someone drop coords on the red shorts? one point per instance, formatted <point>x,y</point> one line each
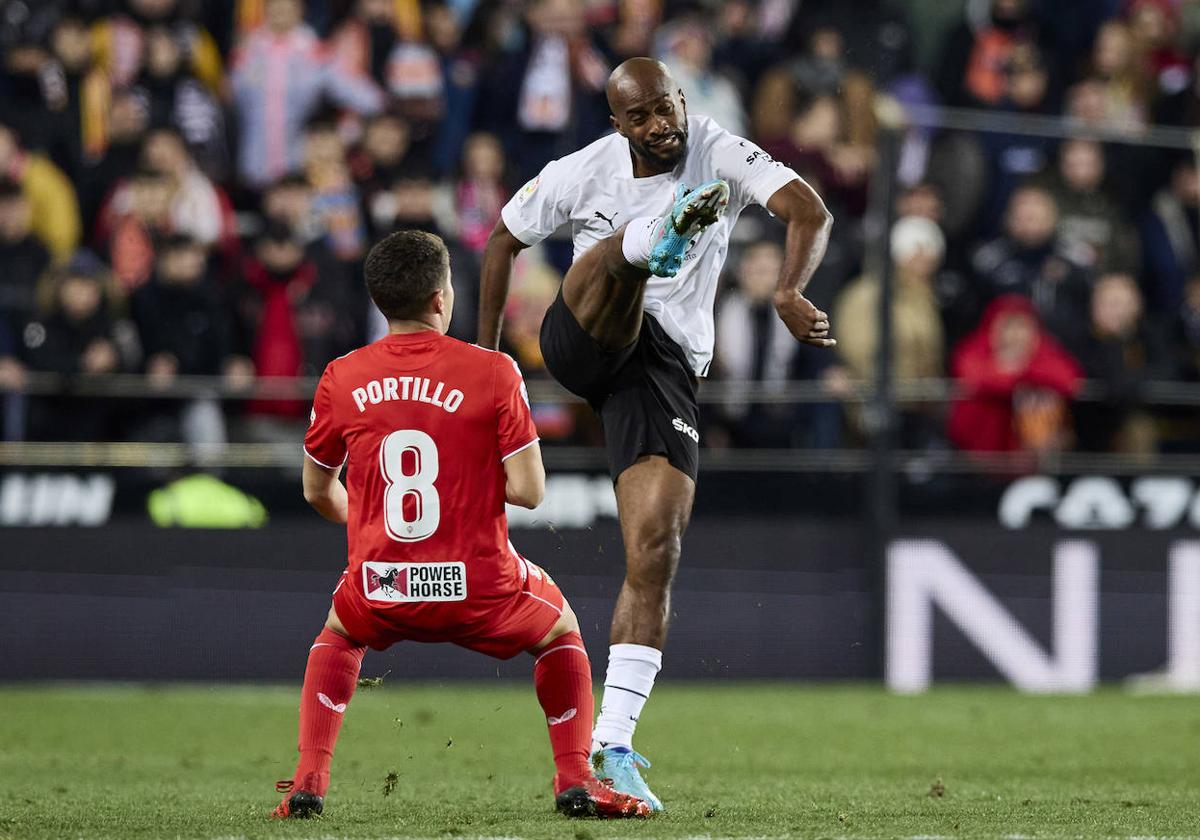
<point>510,626</point>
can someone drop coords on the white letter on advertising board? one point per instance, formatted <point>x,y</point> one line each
<point>924,573</point>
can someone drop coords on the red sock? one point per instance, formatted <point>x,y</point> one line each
<point>329,680</point>
<point>562,676</point>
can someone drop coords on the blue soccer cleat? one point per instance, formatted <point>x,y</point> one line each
<point>692,212</point>
<point>618,767</point>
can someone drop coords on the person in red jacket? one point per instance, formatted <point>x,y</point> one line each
<point>1015,382</point>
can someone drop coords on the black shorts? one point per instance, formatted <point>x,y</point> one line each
<point>645,393</point>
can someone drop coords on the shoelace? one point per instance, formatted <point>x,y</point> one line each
<point>633,759</point>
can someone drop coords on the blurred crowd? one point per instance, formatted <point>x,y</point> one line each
<point>188,187</point>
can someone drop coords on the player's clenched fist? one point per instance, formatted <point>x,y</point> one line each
<point>803,319</point>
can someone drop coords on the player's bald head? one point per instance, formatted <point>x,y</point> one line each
<point>635,80</point>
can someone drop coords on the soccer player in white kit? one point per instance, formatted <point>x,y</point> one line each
<point>633,343</point>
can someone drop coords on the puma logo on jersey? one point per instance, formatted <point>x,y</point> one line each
<point>566,716</point>
<point>340,708</point>
<point>600,215</point>
<point>685,429</point>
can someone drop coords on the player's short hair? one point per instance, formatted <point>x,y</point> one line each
<point>404,270</point>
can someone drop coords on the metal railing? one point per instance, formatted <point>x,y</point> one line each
<point>712,391</point>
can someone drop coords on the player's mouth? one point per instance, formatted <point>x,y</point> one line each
<point>666,144</point>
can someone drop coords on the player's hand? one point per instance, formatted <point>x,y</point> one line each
<point>807,323</point>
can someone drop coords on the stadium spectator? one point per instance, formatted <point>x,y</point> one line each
<point>1156,26</point>
<point>23,257</point>
<point>52,202</point>
<point>547,98</point>
<point>1120,77</point>
<point>280,73</point>
<point>754,345</point>
<point>1171,238</point>
<point>918,350</point>
<point>31,97</point>
<point>687,50</point>
<point>85,93</point>
<point>1014,157</point>
<point>120,42</point>
<point>1091,224</point>
<point>417,85</point>
<point>818,146</point>
<point>1122,350</point>
<point>418,204</point>
<point>635,27</point>
<point>174,99</point>
<point>381,157</point>
<point>973,69</point>
<point>1030,260</point>
<point>288,201</point>
<point>296,320</point>
<point>334,201</point>
<point>116,154</point>
<point>773,107</point>
<point>81,333</point>
<point>1015,381</point>
<point>822,68</point>
<point>135,218</point>
<point>362,44</point>
<point>186,329</point>
<point>480,192</point>
<point>461,71</point>
<point>199,209</point>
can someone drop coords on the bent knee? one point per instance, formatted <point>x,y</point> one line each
<point>567,623</point>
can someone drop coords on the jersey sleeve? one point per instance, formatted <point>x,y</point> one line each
<point>540,207</point>
<point>753,175</point>
<point>514,419</point>
<point>323,442</point>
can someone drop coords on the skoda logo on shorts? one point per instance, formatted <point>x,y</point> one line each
<point>684,429</point>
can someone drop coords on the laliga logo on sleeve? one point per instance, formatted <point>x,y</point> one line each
<point>528,190</point>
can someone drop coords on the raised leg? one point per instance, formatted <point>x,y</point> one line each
<point>604,293</point>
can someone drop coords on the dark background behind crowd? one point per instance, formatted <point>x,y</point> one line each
<point>188,187</point>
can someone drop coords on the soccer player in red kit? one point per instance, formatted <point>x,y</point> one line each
<point>438,435</point>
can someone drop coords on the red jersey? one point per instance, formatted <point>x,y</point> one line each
<point>426,422</point>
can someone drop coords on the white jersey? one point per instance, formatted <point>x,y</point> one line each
<point>594,189</point>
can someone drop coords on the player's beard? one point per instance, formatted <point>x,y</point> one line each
<point>664,157</point>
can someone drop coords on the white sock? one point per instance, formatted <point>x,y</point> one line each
<point>637,243</point>
<point>631,673</point>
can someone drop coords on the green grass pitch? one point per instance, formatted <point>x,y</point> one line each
<point>730,760</point>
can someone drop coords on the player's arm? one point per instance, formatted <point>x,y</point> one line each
<point>525,477</point>
<point>494,276</point>
<point>324,491</point>
<point>808,225</point>
<point>537,210</point>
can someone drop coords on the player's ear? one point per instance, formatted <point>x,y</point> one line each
<point>683,102</point>
<point>616,124</point>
